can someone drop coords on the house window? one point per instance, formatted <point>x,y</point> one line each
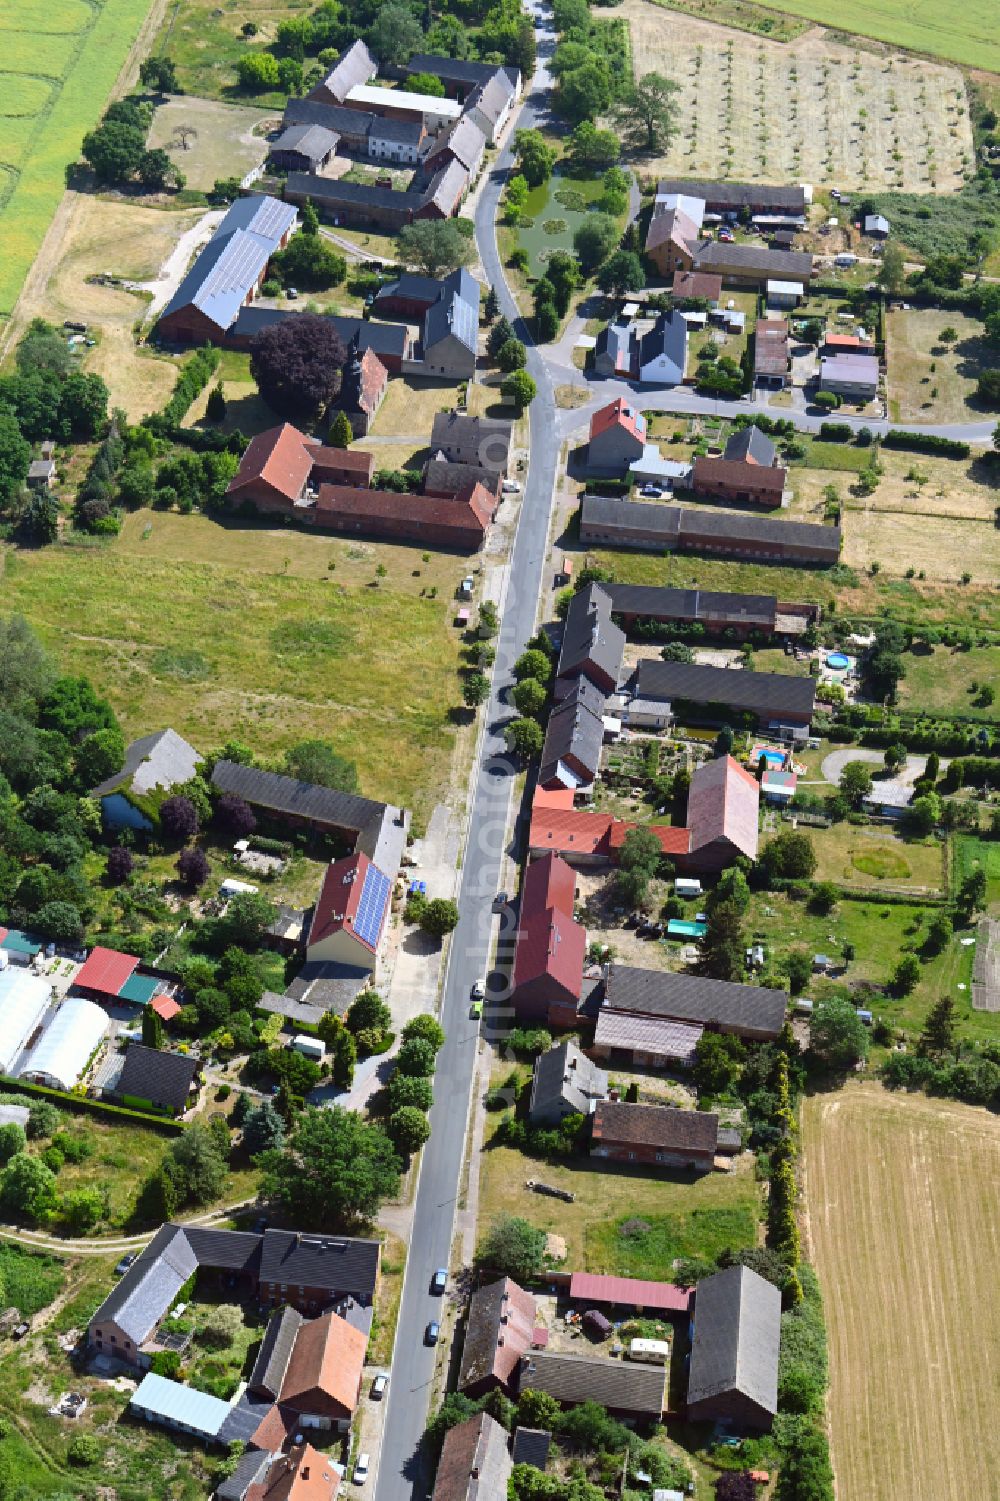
<point>631,1156</point>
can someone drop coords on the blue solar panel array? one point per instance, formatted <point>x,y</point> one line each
<point>371,909</point>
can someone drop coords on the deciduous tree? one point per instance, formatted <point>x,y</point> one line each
<point>334,1172</point>
<point>648,112</point>
<point>297,365</point>
<point>435,245</point>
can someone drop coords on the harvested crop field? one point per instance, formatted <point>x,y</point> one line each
<point>811,110</point>
<point>58,64</point>
<point>901,1197</point>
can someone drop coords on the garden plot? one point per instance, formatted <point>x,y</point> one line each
<point>811,110</point>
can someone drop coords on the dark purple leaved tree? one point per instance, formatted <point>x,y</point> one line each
<point>178,818</point>
<point>234,815</point>
<point>120,864</point>
<point>297,365</point>
<point>193,867</point>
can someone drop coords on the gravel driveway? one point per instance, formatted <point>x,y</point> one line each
<point>834,763</point>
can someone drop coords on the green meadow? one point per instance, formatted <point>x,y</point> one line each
<point>959,33</point>
<point>59,61</point>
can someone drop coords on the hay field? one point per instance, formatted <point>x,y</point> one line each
<point>59,61</point>
<point>901,1194</point>
<point>940,548</point>
<point>931,381</point>
<point>268,635</point>
<point>811,110</point>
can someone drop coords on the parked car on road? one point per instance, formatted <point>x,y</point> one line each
<point>431,1334</point>
<point>361,1468</point>
<point>379,1387</point>
<point>440,1280</point>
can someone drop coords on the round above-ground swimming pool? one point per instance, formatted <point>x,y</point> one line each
<point>838,661</point>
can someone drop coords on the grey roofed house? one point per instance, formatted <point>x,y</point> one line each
<point>766,694</point>
<point>464,141</point>
<point>163,759</point>
<point>355,65</point>
<point>733,195</point>
<point>462,439</point>
<point>749,1010</point>
<point>164,1079</point>
<point>454,316</point>
<point>613,350</point>
<point>322,1261</point>
<point>734,1352</point>
<point>663,350</point>
<point>631,1389</point>
<point>571,755</point>
<point>234,259</point>
<point>138,1302</point>
<point>663,603</point>
<point>390,339</point>
<point>251,1468</point>
<point>492,97</point>
<point>313,144</point>
<point>400,132</point>
<point>531,1447</point>
<point>592,644</point>
<point>442,477</point>
<point>447,189</point>
<point>475,1463</point>
<point>280,794</point>
<point>752,446</point>
<point>877,225</point>
<point>353,124</point>
<point>268,1375</point>
<point>606,510</point>
<point>564,1082</point>
<point>334,192</point>
<point>458,70</point>
<point>645,1039</point>
<point>752,260</point>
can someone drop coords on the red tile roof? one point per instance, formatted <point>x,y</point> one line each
<point>482,502</point>
<point>846,342</point>
<point>673,841</point>
<point>590,1287</point>
<point>106,970</point>
<point>339,900</point>
<point>356,459</point>
<point>622,414</point>
<point>282,457</point>
<point>737,475</point>
<point>722,804</point>
<point>327,1360</point>
<point>548,882</point>
<point>374,377</point>
<point>165,1006</point>
<point>697,284</point>
<point>550,946</point>
<point>372,506</point>
<point>560,827</point>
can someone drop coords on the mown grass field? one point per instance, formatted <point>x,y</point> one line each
<point>941,681</point>
<point>961,33</point>
<point>268,636</point>
<point>688,1215</point>
<point>901,1199</point>
<point>58,63</point>
<point>877,857</point>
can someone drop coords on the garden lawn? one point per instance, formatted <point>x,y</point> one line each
<point>699,1215</point>
<point>59,64</point>
<point>877,857</point>
<point>280,637</point>
<point>940,681</point>
<point>900,1192</point>
<point>979,854</point>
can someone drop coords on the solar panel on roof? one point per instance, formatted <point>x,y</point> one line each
<point>371,908</point>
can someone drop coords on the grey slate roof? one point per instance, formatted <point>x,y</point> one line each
<point>472,440</point>
<point>590,635</point>
<point>712,255</point>
<point>162,1078</point>
<point>565,1075</point>
<point>355,65</point>
<point>344,122</point>
<point>735,194</point>
<point>576,729</point>
<point>605,510</point>
<point>737,1332</point>
<point>250,1470</point>
<point>232,261</point>
<point>668,337</point>
<point>492,96</point>
<point>616,1384</point>
<point>336,1263</point>
<point>455,313</point>
<point>464,140</point>
<point>312,141</point>
<point>142,1297</point>
<point>762,693</point>
<point>653,992</point>
<point>244,1418</point>
<point>455,70</point>
<point>275,1352</point>
<point>380,338</point>
<point>163,759</point>
<point>280,794</point>
<point>402,132</point>
<point>331,191</point>
<point>446,188</point>
<point>615,340</point>
<point>692,604</point>
<point>751,443</point>
<point>442,477</point>
<point>475,1462</point>
<point>707,521</point>
<point>531,1447</point>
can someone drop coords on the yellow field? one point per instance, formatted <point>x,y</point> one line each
<point>901,1194</point>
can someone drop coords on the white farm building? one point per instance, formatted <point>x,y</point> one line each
<point>64,1049</point>
<point>23,1002</point>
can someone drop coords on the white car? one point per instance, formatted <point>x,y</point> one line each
<point>511,487</point>
<point>379,1387</point>
<point>361,1469</point>
<point>479,991</point>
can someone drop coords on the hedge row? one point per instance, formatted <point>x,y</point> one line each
<point>93,1107</point>
<point>949,448</point>
<point>191,381</point>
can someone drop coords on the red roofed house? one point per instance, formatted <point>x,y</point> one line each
<point>589,839</point>
<point>350,913</point>
<point>322,1381</point>
<point>617,437</point>
<point>104,972</point>
<point>722,815</point>
<point>282,464</point>
<point>697,284</point>
<point>629,1292</point>
<point>500,1329</point>
<point>847,344</point>
<point>461,522</point>
<point>547,977</point>
<point>165,1006</point>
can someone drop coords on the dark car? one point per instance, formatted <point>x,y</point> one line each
<point>20,1330</point>
<point>125,1263</point>
<point>260,1224</point>
<point>440,1280</point>
<point>431,1334</point>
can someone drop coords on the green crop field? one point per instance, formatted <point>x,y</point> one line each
<point>962,34</point>
<point>58,63</point>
